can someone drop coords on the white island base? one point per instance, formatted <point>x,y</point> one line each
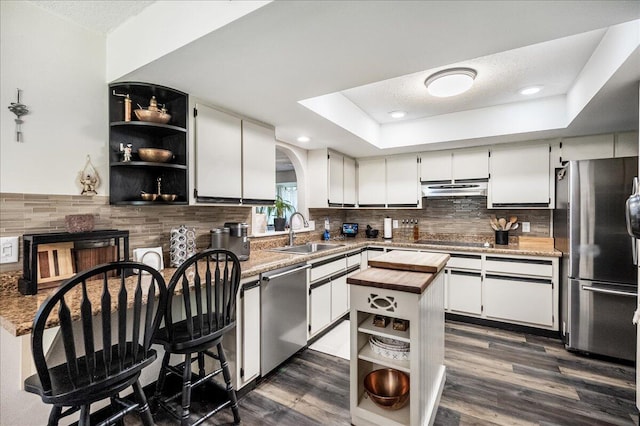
<point>425,312</point>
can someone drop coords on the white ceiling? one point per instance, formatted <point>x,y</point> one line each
<point>378,53</point>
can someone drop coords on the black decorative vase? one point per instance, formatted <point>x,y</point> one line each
<point>278,223</point>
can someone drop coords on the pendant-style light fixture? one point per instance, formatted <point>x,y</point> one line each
<point>450,82</point>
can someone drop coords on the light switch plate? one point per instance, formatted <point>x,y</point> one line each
<point>526,226</point>
<point>8,249</point>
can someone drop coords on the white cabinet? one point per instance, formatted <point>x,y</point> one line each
<point>402,181</point>
<point>626,144</point>
<point>520,177</point>
<point>463,164</point>
<point>247,336</point>
<point>372,182</point>
<point>339,296</point>
<point>258,164</point>
<point>587,147</point>
<point>218,155</point>
<point>334,179</point>
<point>234,159</point>
<point>319,306</point>
<point>465,292</point>
<point>525,300</point>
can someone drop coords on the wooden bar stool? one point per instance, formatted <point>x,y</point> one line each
<point>104,353</point>
<point>204,288</point>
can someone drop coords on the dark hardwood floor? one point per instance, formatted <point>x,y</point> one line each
<point>494,377</point>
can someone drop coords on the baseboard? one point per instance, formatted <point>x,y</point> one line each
<point>503,325</point>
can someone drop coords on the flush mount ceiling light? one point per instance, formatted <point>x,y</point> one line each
<point>397,114</point>
<point>450,82</point>
<point>303,139</point>
<point>531,90</point>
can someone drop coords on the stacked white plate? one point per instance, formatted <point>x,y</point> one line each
<point>390,348</point>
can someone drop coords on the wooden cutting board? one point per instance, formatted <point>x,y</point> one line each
<point>411,261</point>
<point>407,281</point>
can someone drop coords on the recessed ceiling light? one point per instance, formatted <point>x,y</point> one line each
<point>397,114</point>
<point>532,90</point>
<point>304,139</point>
<point>450,82</point>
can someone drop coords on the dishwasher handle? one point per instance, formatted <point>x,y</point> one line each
<point>268,278</point>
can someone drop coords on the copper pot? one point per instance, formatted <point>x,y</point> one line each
<point>168,197</point>
<point>155,155</point>
<point>152,116</point>
<point>388,388</point>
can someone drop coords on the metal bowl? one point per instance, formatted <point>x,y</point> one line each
<point>152,116</point>
<point>388,388</point>
<point>155,155</point>
<point>168,197</point>
<point>148,197</point>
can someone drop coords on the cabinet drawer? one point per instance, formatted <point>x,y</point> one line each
<point>523,300</point>
<point>465,292</point>
<point>328,267</point>
<point>541,268</point>
<point>465,261</point>
<point>353,260</point>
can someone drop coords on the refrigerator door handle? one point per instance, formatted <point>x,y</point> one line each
<point>607,291</point>
<point>634,251</point>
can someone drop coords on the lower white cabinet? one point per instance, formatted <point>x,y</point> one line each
<point>465,292</point>
<point>319,306</point>
<point>339,296</point>
<point>527,300</point>
<point>247,336</point>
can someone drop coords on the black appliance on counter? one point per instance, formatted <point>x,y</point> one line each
<point>599,277</point>
<point>232,237</point>
<point>349,229</point>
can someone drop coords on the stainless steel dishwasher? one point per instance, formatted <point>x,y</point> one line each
<point>283,315</point>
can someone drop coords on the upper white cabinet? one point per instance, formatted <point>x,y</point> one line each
<point>218,155</point>
<point>234,159</point>
<point>463,164</point>
<point>587,147</point>
<point>626,144</point>
<point>371,182</point>
<point>258,164</point>
<point>333,179</point>
<point>520,177</point>
<point>402,181</point>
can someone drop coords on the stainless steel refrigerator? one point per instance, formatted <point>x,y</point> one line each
<point>599,273</point>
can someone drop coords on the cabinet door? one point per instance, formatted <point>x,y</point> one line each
<point>250,333</point>
<point>319,307</point>
<point>465,292</point>
<point>339,297</point>
<point>471,164</point>
<point>218,155</point>
<point>528,300</point>
<point>258,163</point>
<point>371,182</point>
<point>435,166</point>
<point>519,176</point>
<point>402,180</point>
<point>336,179</point>
<point>587,147</point>
<point>349,183</point>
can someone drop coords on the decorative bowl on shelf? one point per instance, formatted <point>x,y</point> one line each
<point>155,155</point>
<point>388,388</point>
<point>148,197</point>
<point>152,116</point>
<point>399,351</point>
<point>168,197</point>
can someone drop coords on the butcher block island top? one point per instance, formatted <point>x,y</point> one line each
<point>401,270</point>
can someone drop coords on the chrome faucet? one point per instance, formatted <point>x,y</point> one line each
<point>291,233</point>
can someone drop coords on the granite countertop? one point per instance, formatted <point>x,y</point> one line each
<point>17,311</point>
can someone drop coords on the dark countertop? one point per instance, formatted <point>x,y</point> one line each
<point>17,311</point>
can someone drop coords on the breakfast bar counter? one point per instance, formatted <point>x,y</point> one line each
<point>397,339</point>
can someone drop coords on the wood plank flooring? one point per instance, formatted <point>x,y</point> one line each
<point>494,377</point>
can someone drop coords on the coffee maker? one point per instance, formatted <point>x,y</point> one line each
<point>232,237</point>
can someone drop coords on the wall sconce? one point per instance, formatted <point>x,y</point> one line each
<point>19,110</point>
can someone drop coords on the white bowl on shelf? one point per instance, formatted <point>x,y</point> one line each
<point>396,352</point>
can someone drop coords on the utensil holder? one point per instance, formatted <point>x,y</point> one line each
<point>502,238</point>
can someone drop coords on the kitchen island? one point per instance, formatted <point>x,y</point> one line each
<point>407,289</point>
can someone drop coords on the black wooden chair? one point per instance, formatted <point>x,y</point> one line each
<point>104,353</point>
<point>205,288</point>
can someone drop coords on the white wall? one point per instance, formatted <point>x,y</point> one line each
<point>61,69</point>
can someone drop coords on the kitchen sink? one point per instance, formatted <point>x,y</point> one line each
<point>307,248</point>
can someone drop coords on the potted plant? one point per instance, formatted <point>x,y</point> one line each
<point>280,207</point>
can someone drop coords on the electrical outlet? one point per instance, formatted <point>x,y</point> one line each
<point>526,226</point>
<point>8,249</point>
<point>395,224</point>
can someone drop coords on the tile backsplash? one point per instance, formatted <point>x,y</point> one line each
<point>149,226</point>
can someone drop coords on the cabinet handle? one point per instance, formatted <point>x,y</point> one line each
<point>523,279</point>
<point>471,274</point>
<point>512,260</point>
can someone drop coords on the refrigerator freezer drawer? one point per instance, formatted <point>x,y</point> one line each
<point>600,317</point>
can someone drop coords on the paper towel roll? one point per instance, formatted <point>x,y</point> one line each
<point>388,228</point>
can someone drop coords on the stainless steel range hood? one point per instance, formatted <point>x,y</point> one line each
<point>458,189</point>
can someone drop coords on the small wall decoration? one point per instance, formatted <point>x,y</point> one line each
<point>19,110</point>
<point>89,179</point>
